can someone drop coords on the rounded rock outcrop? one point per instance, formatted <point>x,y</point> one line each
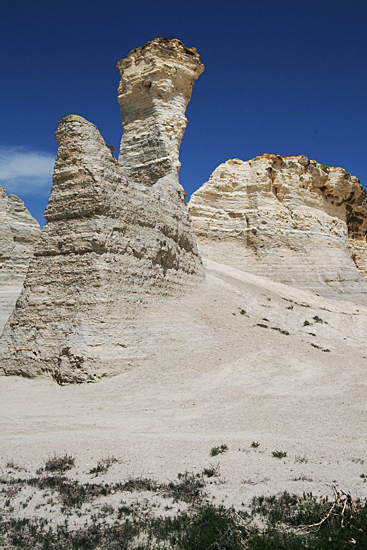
<point>290,219</point>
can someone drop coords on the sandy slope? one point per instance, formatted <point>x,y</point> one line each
<point>215,366</point>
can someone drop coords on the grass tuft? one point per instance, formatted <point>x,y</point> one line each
<point>59,463</point>
<point>279,454</point>
<point>103,465</point>
<point>219,449</point>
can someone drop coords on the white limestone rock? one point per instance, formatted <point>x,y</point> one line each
<point>19,233</point>
<point>290,219</point>
<point>155,88</point>
<point>111,247</point>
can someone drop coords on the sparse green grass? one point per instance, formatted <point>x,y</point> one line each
<point>214,451</point>
<point>307,522</point>
<point>316,319</point>
<point>59,463</point>
<point>11,465</point>
<point>188,488</point>
<point>281,330</point>
<point>288,521</point>
<point>211,471</point>
<point>211,527</point>
<point>138,484</point>
<point>71,493</point>
<point>203,528</point>
<point>279,454</point>
<point>319,347</point>
<point>103,465</point>
<point>255,444</point>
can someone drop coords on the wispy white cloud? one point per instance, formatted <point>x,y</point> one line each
<point>25,172</point>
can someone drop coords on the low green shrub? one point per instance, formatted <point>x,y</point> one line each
<point>214,451</point>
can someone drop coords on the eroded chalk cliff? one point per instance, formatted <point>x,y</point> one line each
<point>290,219</point>
<point>118,236</point>
<point>114,242</point>
<point>155,88</point>
<point>19,233</point>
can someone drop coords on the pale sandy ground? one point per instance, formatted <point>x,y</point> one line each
<point>205,373</point>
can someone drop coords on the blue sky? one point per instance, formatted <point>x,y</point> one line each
<point>280,77</point>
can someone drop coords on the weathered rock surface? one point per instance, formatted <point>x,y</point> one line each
<point>111,247</point>
<point>155,88</point>
<point>290,219</point>
<point>19,233</point>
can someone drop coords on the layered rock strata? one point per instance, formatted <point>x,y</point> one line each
<point>290,219</point>
<point>110,248</point>
<point>19,233</point>
<point>155,88</point>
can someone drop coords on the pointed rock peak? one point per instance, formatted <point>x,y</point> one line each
<point>80,180</point>
<point>155,88</point>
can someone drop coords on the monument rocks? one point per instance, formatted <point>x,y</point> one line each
<point>118,234</point>
<point>118,238</point>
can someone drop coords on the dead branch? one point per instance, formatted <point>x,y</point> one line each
<point>341,499</point>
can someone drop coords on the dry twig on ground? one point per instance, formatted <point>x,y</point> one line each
<point>341,500</point>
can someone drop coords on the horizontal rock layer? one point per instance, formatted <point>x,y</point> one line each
<point>291,219</point>
<point>19,233</point>
<point>155,88</point>
<point>109,248</point>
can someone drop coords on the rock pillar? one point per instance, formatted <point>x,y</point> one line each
<point>112,246</point>
<point>155,88</point>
